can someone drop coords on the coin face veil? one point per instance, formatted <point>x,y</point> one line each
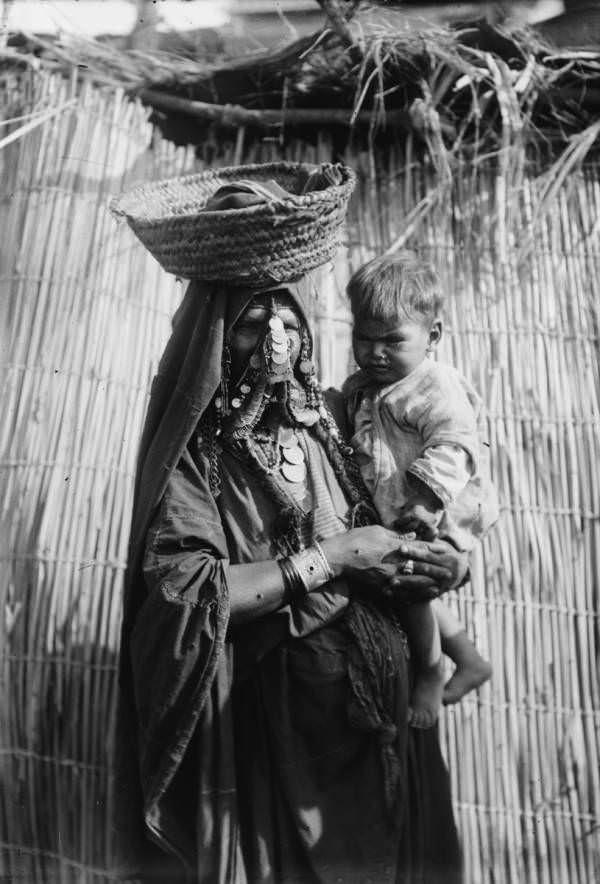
<point>278,369</point>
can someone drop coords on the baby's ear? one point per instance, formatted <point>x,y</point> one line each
<point>435,333</point>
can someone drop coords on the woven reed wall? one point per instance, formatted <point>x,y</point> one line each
<point>522,275</point>
<point>86,315</point>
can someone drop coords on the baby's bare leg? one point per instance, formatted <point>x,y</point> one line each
<point>424,639</point>
<point>471,668</point>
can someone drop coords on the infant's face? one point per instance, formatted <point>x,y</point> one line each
<point>388,352</point>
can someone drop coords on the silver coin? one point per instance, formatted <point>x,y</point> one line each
<point>279,347</point>
<point>293,455</point>
<point>245,389</point>
<point>308,417</point>
<point>287,438</point>
<point>279,358</point>
<point>279,340</point>
<point>294,472</point>
<point>298,399</point>
<point>236,403</point>
<point>275,323</point>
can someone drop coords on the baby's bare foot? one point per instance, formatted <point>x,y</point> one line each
<point>426,698</point>
<point>467,677</point>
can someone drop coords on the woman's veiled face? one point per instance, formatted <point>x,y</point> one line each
<point>250,328</point>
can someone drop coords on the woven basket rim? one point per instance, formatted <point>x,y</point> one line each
<point>123,205</point>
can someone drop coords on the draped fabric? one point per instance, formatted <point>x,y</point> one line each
<point>245,754</point>
<point>188,376</point>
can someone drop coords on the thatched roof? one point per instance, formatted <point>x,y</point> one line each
<point>461,86</point>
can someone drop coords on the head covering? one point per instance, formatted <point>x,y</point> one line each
<point>188,376</point>
<point>189,372</point>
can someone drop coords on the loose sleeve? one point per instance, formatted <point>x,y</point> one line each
<point>446,419</point>
<point>179,631</point>
<point>445,469</point>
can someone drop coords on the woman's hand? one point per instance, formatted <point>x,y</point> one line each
<point>378,557</point>
<point>373,555</point>
<point>363,553</point>
<point>437,562</point>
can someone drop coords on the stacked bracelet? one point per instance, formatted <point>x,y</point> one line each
<point>292,581</point>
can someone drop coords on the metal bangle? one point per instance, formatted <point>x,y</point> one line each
<point>323,557</point>
<point>292,581</point>
<point>311,568</point>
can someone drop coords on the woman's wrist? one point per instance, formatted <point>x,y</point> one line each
<point>293,586</point>
<point>306,571</point>
<point>333,552</point>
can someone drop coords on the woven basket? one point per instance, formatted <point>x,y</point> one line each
<point>260,244</point>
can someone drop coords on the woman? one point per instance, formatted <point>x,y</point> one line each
<point>265,674</point>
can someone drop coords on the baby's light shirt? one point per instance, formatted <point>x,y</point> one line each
<point>429,425</point>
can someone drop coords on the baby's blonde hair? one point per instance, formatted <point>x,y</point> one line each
<point>394,286</point>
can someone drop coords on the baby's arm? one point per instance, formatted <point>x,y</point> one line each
<point>421,513</point>
<point>447,469</point>
<point>447,424</point>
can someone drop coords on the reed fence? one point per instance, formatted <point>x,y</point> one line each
<point>86,313</point>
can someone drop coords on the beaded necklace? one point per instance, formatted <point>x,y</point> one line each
<point>259,425</point>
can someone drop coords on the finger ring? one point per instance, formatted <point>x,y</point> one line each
<point>408,567</point>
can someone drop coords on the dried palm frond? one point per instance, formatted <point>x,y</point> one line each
<point>476,83</point>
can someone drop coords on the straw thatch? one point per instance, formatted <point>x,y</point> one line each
<point>86,313</point>
<point>460,86</point>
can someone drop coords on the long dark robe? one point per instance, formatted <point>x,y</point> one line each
<point>241,755</point>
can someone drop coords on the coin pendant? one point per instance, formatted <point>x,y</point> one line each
<point>306,366</point>
<point>298,399</point>
<point>294,472</point>
<point>293,455</point>
<point>287,437</point>
<point>275,323</point>
<point>279,348</point>
<point>307,417</point>
<point>245,389</point>
<point>236,403</point>
<point>279,358</point>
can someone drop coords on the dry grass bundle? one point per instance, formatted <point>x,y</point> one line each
<point>452,88</point>
<point>86,315</point>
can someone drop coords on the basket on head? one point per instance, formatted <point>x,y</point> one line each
<point>272,242</point>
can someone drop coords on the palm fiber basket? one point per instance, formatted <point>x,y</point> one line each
<point>272,242</point>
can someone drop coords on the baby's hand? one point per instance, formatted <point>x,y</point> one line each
<point>422,514</point>
<point>419,520</point>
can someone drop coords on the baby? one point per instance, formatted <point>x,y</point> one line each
<point>417,437</point>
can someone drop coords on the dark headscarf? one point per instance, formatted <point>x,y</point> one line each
<point>188,377</point>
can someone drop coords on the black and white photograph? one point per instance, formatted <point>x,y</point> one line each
<point>299,442</point>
